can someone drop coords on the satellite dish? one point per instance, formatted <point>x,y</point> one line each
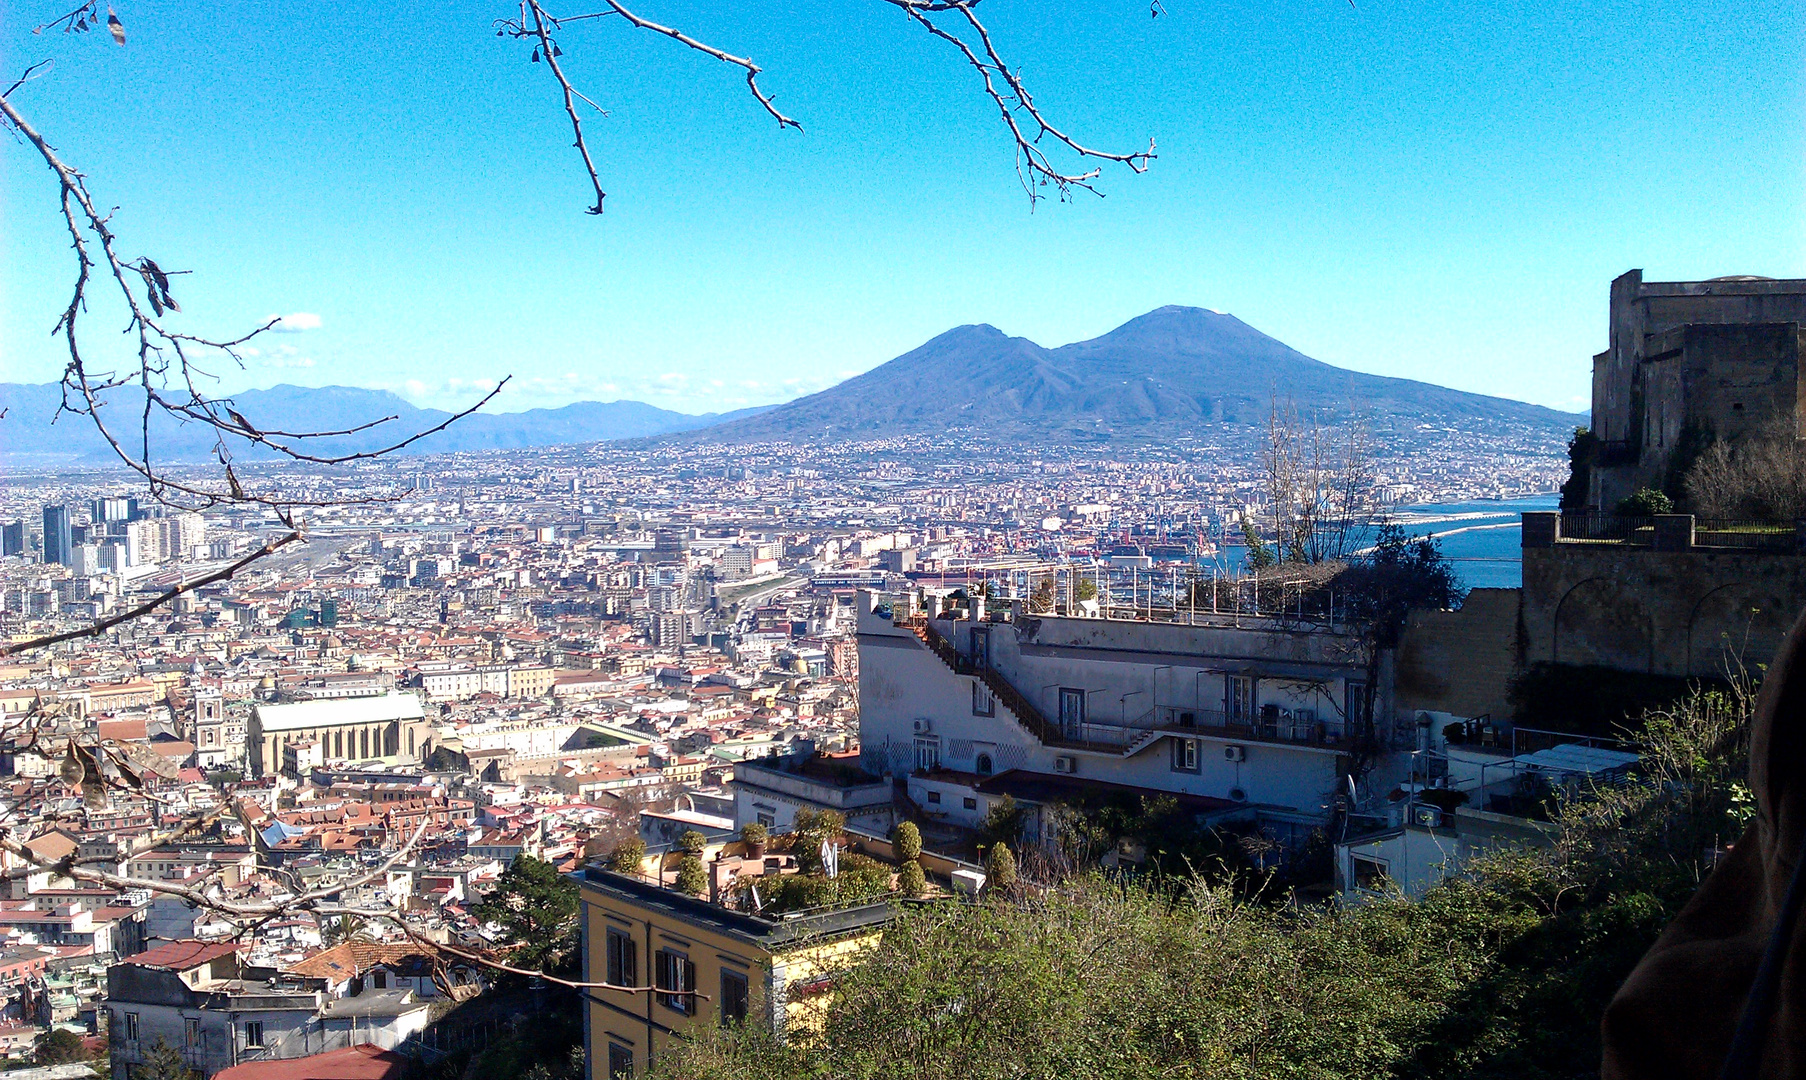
<point>1353,797</point>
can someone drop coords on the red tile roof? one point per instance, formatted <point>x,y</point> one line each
<point>364,1062</point>
<point>183,955</point>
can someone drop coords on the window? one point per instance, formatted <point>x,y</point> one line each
<point>253,1034</point>
<point>981,649</point>
<point>623,959</point>
<point>735,992</point>
<point>928,754</point>
<point>379,979</point>
<point>983,704</point>
<point>1355,703</point>
<point>934,796</point>
<point>677,975</point>
<point>620,1062</point>
<point>770,821</point>
<point>1072,710</point>
<point>982,766</point>
<point>1185,755</point>
<point>971,803</point>
<point>1370,874</point>
<point>1238,699</point>
<point>191,1032</point>
<point>131,1027</point>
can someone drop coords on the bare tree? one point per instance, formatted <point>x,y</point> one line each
<point>1321,495</point>
<point>1761,477</point>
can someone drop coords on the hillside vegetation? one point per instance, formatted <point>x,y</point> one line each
<point>1503,972</point>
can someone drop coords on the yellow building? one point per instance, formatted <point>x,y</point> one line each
<point>718,964</point>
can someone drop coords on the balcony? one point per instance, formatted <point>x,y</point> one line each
<point>1272,726</point>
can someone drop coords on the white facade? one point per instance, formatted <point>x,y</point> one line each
<point>1252,715</point>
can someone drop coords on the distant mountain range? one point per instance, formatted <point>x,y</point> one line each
<point>1172,372</point>
<point>28,437</point>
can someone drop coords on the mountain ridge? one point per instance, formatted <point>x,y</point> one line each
<point>1171,370</point>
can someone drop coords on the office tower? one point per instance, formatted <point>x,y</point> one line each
<point>12,538</point>
<point>56,535</point>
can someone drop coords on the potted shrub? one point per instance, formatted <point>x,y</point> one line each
<point>627,856</point>
<point>755,836</point>
<point>692,842</point>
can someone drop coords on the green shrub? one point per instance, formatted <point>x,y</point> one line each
<point>1000,868</point>
<point>627,856</point>
<point>691,842</point>
<point>910,879</point>
<point>909,841</point>
<point>1645,502</point>
<point>754,833</point>
<point>692,878</point>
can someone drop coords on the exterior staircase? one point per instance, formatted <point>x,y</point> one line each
<point>1001,690</point>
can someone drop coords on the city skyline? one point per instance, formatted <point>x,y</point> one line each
<point>1367,184</point>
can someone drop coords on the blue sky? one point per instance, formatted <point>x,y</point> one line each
<point>1434,191</point>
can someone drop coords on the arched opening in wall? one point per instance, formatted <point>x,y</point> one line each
<point>1734,627</point>
<point>1604,623</point>
<point>338,744</point>
<point>982,765</point>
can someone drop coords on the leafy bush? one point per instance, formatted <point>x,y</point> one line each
<point>1645,502</point>
<point>911,881</point>
<point>692,877</point>
<point>627,856</point>
<point>691,842</point>
<point>754,833</point>
<point>1000,868</point>
<point>814,828</point>
<point>1501,972</point>
<point>909,841</point>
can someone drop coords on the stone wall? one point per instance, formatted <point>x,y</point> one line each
<point>1460,662</point>
<point>1683,613</point>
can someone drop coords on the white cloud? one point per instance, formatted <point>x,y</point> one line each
<point>296,323</point>
<point>289,359</point>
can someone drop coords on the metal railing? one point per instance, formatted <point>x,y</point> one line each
<point>1622,528</point>
<point>1746,535</point>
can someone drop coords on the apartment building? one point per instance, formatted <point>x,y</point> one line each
<point>704,963</point>
<point>1249,716</point>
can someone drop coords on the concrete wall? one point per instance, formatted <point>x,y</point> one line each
<point>1460,662</point>
<point>1666,613</point>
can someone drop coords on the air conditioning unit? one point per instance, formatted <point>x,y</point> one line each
<point>1066,763</point>
<point>922,726</point>
<point>1235,753</point>
<point>1430,817</point>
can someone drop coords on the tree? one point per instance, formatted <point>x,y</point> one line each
<point>1000,868</point>
<point>58,1046</point>
<point>1321,495</point>
<point>1761,477</point>
<point>1003,821</point>
<point>1084,589</point>
<point>627,856</point>
<point>164,1062</point>
<point>535,908</point>
<point>692,877</point>
<point>814,828</point>
<point>909,841</point>
<point>1583,451</point>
